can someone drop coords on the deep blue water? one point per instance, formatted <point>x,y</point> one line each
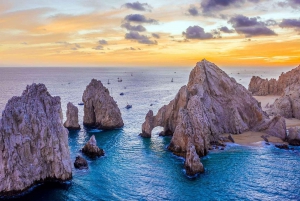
<point>134,168</point>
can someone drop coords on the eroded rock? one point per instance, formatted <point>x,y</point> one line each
<point>211,104</point>
<point>91,149</point>
<point>34,143</point>
<point>100,109</point>
<point>293,137</point>
<point>72,117</point>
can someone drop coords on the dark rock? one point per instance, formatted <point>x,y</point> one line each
<point>282,146</point>
<point>91,149</point>
<point>80,163</point>
<point>230,138</point>
<point>265,137</point>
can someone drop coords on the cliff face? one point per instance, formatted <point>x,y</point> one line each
<point>288,104</point>
<point>72,117</point>
<point>262,87</point>
<point>100,109</point>
<point>211,104</point>
<point>34,143</point>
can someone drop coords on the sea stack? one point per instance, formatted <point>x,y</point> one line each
<point>34,143</point>
<point>100,109</point>
<point>263,87</point>
<point>211,104</point>
<point>72,117</point>
<point>91,149</point>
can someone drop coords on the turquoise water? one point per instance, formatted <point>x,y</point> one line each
<point>134,168</point>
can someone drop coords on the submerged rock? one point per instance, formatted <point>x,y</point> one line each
<point>91,149</point>
<point>34,143</point>
<point>100,109</point>
<point>262,87</point>
<point>72,117</point>
<point>211,104</point>
<point>80,163</point>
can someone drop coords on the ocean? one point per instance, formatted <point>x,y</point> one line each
<point>134,168</point>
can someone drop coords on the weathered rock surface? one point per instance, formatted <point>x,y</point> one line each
<point>100,109</point>
<point>262,87</point>
<point>72,117</point>
<point>192,162</point>
<point>91,149</point>
<point>34,143</point>
<point>287,105</point>
<point>211,104</point>
<point>293,137</point>
<point>80,163</point>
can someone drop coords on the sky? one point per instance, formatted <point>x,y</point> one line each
<point>166,33</point>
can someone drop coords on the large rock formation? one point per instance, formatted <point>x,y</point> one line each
<point>72,117</point>
<point>34,143</point>
<point>211,104</point>
<point>287,105</point>
<point>91,149</point>
<point>100,109</point>
<point>262,87</point>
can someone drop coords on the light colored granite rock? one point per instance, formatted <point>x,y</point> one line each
<point>34,143</point>
<point>210,104</point>
<point>100,109</point>
<point>293,137</point>
<point>72,117</point>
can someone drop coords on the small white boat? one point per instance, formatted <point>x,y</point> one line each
<point>108,82</point>
<point>172,80</point>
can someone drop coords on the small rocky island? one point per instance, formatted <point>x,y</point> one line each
<point>100,109</point>
<point>34,143</point>
<point>72,117</point>
<point>210,104</point>
<point>91,149</point>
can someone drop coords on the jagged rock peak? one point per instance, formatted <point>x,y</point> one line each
<point>72,117</point>
<point>210,104</point>
<point>91,149</point>
<point>100,109</point>
<point>262,87</point>
<point>34,143</point>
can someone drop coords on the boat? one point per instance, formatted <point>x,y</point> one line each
<point>81,103</point>
<point>108,82</point>
<point>128,106</point>
<point>122,94</point>
<point>120,80</point>
<point>172,80</point>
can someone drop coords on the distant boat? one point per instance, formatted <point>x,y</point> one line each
<point>172,80</point>
<point>122,94</point>
<point>108,82</point>
<point>120,80</point>
<point>131,74</point>
<point>128,106</point>
<point>81,103</point>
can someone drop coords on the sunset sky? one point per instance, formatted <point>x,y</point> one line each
<point>149,33</point>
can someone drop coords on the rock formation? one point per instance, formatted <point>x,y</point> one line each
<point>293,137</point>
<point>91,149</point>
<point>34,143</point>
<point>100,109</point>
<point>72,117</point>
<point>262,87</point>
<point>80,163</point>
<point>288,105</point>
<point>211,104</point>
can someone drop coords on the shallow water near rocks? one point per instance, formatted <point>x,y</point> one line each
<point>134,168</point>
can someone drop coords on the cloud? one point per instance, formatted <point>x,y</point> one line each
<point>155,35</point>
<point>102,42</point>
<point>293,3</point>
<point>193,11</point>
<point>216,5</point>
<point>290,23</point>
<point>250,26</point>
<point>133,35</point>
<point>99,47</point>
<point>130,27</point>
<point>226,30</point>
<point>138,6</point>
<point>138,18</point>
<point>196,32</point>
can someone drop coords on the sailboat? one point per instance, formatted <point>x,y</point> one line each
<point>108,82</point>
<point>172,80</point>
